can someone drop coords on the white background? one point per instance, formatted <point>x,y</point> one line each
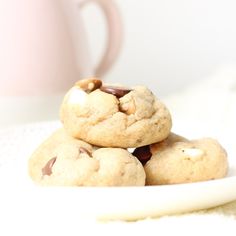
<point>168,43</point>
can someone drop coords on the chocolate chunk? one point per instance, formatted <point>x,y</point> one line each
<point>84,150</point>
<point>116,91</point>
<point>47,169</point>
<point>143,154</point>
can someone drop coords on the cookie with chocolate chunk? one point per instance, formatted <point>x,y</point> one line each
<point>144,153</point>
<point>65,161</point>
<point>114,116</point>
<point>178,160</point>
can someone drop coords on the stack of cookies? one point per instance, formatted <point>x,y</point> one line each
<point>119,136</point>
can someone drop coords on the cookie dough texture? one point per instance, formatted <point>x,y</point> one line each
<point>102,119</point>
<point>80,164</point>
<point>168,142</point>
<point>177,160</point>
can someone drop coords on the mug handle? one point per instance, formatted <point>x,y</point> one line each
<point>115,33</point>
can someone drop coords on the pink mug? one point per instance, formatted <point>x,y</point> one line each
<point>43,45</point>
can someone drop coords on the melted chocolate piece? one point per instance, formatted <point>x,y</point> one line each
<point>47,169</point>
<point>116,91</point>
<point>143,154</point>
<point>84,150</point>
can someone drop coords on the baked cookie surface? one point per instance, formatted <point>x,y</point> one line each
<point>144,153</point>
<point>183,161</point>
<point>64,161</point>
<point>111,116</point>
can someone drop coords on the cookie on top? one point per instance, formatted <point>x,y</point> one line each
<point>114,116</point>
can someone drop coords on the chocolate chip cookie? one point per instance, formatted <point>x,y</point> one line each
<point>114,116</point>
<point>178,160</point>
<point>65,161</point>
<point>144,153</point>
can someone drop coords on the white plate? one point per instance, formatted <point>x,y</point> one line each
<point>19,194</point>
